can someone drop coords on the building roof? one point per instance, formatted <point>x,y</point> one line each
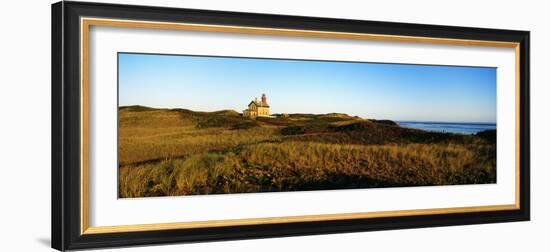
<point>259,104</point>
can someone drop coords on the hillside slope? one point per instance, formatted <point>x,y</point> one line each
<point>179,152</point>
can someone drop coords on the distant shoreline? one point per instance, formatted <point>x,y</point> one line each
<point>430,122</point>
<point>448,127</point>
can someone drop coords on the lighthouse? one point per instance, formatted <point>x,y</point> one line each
<point>257,108</point>
<point>264,101</point>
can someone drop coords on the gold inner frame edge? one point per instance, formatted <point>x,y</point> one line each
<point>85,24</point>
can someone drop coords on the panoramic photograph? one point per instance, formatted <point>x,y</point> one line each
<point>198,125</point>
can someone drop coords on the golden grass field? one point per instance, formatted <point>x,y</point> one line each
<point>166,152</point>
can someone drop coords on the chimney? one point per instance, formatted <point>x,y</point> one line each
<point>256,99</point>
<point>264,99</point>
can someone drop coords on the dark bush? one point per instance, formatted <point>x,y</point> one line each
<point>489,135</point>
<point>245,125</point>
<point>354,127</point>
<point>293,130</point>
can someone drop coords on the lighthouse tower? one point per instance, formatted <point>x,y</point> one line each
<point>264,100</point>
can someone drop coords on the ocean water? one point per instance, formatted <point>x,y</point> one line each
<point>461,128</point>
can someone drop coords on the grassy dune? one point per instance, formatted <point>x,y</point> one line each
<point>181,152</point>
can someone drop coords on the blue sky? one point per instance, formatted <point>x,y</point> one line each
<point>381,91</point>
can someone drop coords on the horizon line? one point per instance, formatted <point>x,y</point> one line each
<point>367,118</point>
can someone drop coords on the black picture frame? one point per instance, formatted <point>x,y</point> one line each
<point>66,114</point>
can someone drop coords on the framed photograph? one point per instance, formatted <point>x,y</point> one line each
<point>180,125</point>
